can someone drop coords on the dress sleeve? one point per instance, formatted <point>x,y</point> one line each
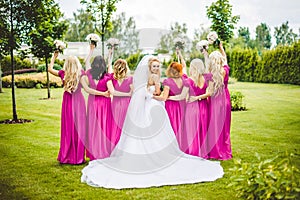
<point>61,74</point>
<point>130,79</point>
<point>226,68</point>
<point>208,77</point>
<point>82,73</point>
<point>184,76</point>
<point>186,82</point>
<point>166,82</point>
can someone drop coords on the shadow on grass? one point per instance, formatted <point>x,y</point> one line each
<point>8,192</point>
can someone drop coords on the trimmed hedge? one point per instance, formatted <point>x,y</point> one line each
<point>38,80</point>
<point>280,65</point>
<point>18,64</point>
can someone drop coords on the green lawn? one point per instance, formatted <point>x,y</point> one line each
<point>29,169</point>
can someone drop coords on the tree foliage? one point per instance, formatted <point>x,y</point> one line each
<point>220,12</point>
<point>80,26</point>
<point>125,30</point>
<point>48,27</point>
<point>284,35</point>
<point>263,36</point>
<point>101,12</point>
<point>167,44</point>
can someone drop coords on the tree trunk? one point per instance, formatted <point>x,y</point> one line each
<point>102,38</point>
<point>0,79</point>
<point>15,117</point>
<point>48,82</point>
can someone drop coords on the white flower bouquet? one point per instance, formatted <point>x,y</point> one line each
<point>179,43</point>
<point>112,42</point>
<point>93,38</point>
<point>203,44</point>
<point>212,38</point>
<point>60,45</point>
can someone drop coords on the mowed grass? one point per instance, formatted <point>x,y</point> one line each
<point>29,169</point>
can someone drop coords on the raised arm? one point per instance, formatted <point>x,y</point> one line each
<point>109,60</point>
<point>181,60</point>
<point>206,58</point>
<point>84,82</point>
<point>114,92</point>
<point>87,60</point>
<point>180,96</point>
<point>223,52</point>
<point>50,67</point>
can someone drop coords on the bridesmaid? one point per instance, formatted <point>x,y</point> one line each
<point>73,113</point>
<point>218,133</point>
<point>99,115</point>
<point>196,112</point>
<point>173,86</point>
<point>120,87</point>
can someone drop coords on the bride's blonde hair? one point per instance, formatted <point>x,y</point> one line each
<point>72,68</point>
<point>216,62</point>
<point>198,67</point>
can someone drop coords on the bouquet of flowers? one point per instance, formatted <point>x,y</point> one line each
<point>93,38</point>
<point>179,43</point>
<point>60,45</point>
<point>203,44</point>
<point>212,38</point>
<point>112,42</point>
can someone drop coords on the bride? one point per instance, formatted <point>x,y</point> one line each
<point>147,153</point>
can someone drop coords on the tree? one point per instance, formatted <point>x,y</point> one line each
<point>244,33</point>
<point>48,27</point>
<point>80,26</point>
<point>263,36</point>
<point>16,20</point>
<point>167,44</point>
<point>125,30</point>
<point>101,12</point>
<point>220,12</point>
<point>284,35</point>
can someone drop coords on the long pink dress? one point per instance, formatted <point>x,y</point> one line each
<point>119,108</point>
<point>175,110</point>
<point>196,119</point>
<point>218,140</point>
<point>73,126</point>
<point>99,120</point>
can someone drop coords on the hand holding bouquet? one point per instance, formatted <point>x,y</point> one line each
<point>202,45</point>
<point>93,38</point>
<point>112,43</point>
<point>212,38</point>
<point>179,43</point>
<point>59,46</point>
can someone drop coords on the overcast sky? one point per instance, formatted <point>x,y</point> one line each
<point>162,13</point>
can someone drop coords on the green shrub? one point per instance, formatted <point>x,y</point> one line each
<point>18,64</point>
<point>279,65</point>
<point>236,99</point>
<point>133,60</point>
<point>37,80</point>
<point>42,67</point>
<point>275,178</point>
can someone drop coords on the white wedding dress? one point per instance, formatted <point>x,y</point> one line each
<point>147,153</point>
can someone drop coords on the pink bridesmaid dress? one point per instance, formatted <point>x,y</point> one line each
<point>99,120</point>
<point>119,108</point>
<point>196,119</point>
<point>73,126</point>
<point>175,110</point>
<point>218,134</point>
